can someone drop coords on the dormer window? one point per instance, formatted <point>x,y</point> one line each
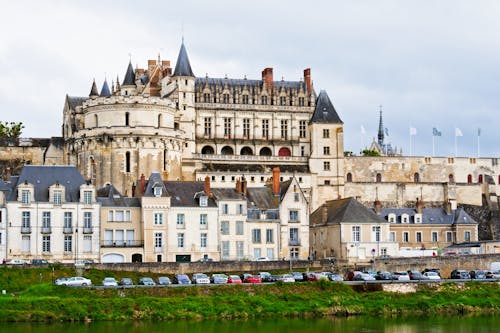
<point>57,197</point>
<point>418,218</point>
<point>203,201</point>
<point>87,197</point>
<point>26,197</point>
<point>405,218</point>
<point>157,191</point>
<point>392,218</point>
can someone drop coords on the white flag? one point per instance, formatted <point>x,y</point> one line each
<point>363,131</point>
<point>413,131</point>
<point>458,132</point>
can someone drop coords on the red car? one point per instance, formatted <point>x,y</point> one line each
<point>235,279</point>
<point>249,278</point>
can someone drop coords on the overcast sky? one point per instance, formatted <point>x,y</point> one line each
<point>428,63</point>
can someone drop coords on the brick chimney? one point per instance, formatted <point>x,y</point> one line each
<point>324,214</point>
<point>207,186</point>
<point>143,184</point>
<point>276,181</point>
<point>238,186</point>
<point>307,80</point>
<point>420,206</point>
<point>267,78</point>
<point>378,206</point>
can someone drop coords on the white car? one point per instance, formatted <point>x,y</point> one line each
<point>17,262</point>
<point>109,282</point>
<point>286,278</point>
<point>200,278</point>
<point>76,281</point>
<point>431,276</point>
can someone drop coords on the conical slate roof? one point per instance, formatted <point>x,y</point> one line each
<point>324,111</point>
<point>105,92</point>
<point>183,67</point>
<point>129,79</point>
<point>93,90</point>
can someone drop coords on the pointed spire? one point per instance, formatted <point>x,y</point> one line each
<point>381,129</point>
<point>93,90</point>
<point>324,112</point>
<point>183,67</point>
<point>105,89</point>
<point>117,84</point>
<point>129,76</point>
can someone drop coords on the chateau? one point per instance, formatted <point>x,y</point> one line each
<point>166,123</point>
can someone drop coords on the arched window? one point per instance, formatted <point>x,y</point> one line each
<point>416,178</point>
<point>159,121</point>
<point>349,177</point>
<point>480,179</point>
<point>96,120</point>
<point>127,161</point>
<point>127,119</point>
<point>227,151</point>
<point>451,178</point>
<point>265,151</point>
<point>207,150</point>
<point>469,179</point>
<point>284,152</point>
<point>246,151</point>
<point>378,178</point>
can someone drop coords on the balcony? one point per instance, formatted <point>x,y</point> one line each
<point>46,230</point>
<point>26,230</point>
<point>294,242</point>
<point>250,158</point>
<point>68,230</point>
<point>122,244</point>
<point>88,230</point>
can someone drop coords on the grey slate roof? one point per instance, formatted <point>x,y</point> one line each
<point>262,197</point>
<point>73,101</point>
<point>109,196</point>
<point>183,67</point>
<point>42,177</point>
<point>227,194</point>
<point>347,210</point>
<point>430,215</point>
<point>155,181</point>
<point>324,112</point>
<point>129,79</point>
<point>93,90</point>
<point>202,81</point>
<point>105,92</point>
<point>183,193</point>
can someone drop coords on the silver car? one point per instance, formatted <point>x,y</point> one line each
<point>76,281</point>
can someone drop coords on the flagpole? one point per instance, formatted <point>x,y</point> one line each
<point>478,145</point>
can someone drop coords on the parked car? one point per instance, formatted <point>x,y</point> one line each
<point>200,278</point>
<point>459,274</point>
<point>493,275</point>
<point>267,277</point>
<point>477,274</point>
<point>249,278</point>
<point>146,281</point>
<point>60,281</point>
<point>39,261</point>
<point>205,259</point>
<point>181,279</point>
<point>435,270</point>
<point>298,276</point>
<point>363,277</point>
<point>164,281</point>
<point>351,274</point>
<point>76,281</point>
<point>109,282</point>
<point>234,279</point>
<point>400,276</point>
<point>126,282</point>
<point>219,278</point>
<point>286,278</point>
<point>415,275</point>
<point>311,276</point>
<point>17,262</point>
<point>430,275</point>
<point>335,277</point>
<point>383,275</point>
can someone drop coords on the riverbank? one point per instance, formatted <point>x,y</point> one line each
<point>46,302</point>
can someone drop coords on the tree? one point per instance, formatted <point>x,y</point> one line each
<point>368,152</point>
<point>10,130</point>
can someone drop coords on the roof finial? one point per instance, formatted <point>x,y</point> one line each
<point>182,32</point>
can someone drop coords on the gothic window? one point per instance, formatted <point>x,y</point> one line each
<point>302,129</point>
<point>263,100</point>
<point>301,101</point>
<point>349,177</point>
<point>225,98</point>
<point>284,129</point>
<point>265,129</point>
<point>282,100</point>
<point>246,128</point>
<point>227,128</point>
<point>379,178</point>
<point>207,127</point>
<point>206,97</point>
<point>244,99</point>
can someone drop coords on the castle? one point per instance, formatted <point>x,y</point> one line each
<point>167,120</point>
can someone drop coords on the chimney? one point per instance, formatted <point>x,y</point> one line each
<point>267,77</point>
<point>420,206</point>
<point>207,186</point>
<point>151,66</point>
<point>143,183</point>
<point>276,181</point>
<point>307,80</point>
<point>238,185</point>
<point>378,206</point>
<point>324,214</point>
<point>244,186</point>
